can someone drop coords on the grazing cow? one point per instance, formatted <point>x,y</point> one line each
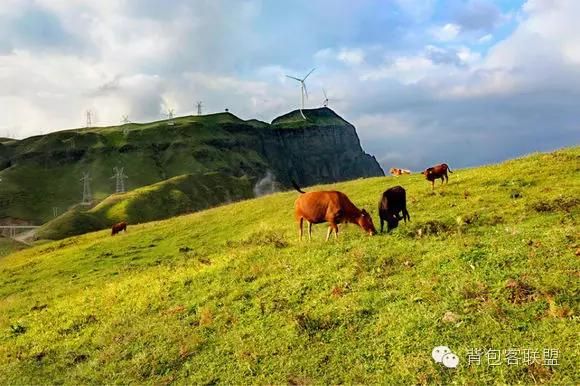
<point>398,172</point>
<point>438,171</point>
<point>332,207</point>
<point>122,226</point>
<point>394,200</point>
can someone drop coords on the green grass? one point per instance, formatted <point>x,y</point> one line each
<point>8,246</point>
<point>314,117</point>
<point>169,198</point>
<point>228,295</point>
<point>43,172</point>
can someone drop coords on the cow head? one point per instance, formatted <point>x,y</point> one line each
<point>428,173</point>
<point>392,221</point>
<point>366,223</point>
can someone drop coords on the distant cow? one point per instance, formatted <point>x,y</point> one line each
<point>332,207</point>
<point>435,172</point>
<point>122,226</point>
<point>398,172</point>
<point>393,202</point>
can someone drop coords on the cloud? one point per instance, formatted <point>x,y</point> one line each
<point>447,32</point>
<point>478,15</point>
<point>415,79</point>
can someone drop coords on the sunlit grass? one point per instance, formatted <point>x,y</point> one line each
<point>228,295</point>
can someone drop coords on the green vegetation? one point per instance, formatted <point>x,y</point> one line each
<point>172,197</point>
<point>8,246</point>
<point>229,296</point>
<point>43,172</point>
<point>314,117</point>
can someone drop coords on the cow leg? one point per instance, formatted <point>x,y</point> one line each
<point>300,222</point>
<point>335,231</point>
<point>328,233</point>
<point>382,224</point>
<point>309,231</point>
<point>433,184</point>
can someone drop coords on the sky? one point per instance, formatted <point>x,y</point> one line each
<point>465,82</point>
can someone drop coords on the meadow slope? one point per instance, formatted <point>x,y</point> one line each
<point>228,295</point>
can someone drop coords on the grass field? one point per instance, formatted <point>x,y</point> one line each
<point>228,295</point>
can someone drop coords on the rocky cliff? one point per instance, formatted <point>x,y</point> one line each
<point>41,175</point>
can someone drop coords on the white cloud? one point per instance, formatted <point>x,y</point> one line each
<point>485,38</point>
<point>447,32</point>
<point>351,56</point>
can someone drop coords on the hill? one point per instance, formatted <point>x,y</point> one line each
<point>169,198</point>
<point>228,295</point>
<point>8,246</point>
<point>42,173</point>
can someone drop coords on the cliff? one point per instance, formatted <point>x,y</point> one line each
<point>41,174</point>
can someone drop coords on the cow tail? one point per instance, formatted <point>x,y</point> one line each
<point>295,185</point>
<point>450,171</point>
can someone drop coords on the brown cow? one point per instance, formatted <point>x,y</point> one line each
<point>398,172</point>
<point>438,171</point>
<point>122,226</point>
<point>393,201</point>
<point>332,207</point>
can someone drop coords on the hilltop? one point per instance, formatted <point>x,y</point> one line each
<point>228,295</point>
<point>41,174</point>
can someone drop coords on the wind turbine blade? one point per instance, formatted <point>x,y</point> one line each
<point>305,90</point>
<point>301,113</point>
<point>325,96</point>
<point>309,73</point>
<point>291,77</point>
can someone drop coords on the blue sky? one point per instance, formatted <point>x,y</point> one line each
<point>461,81</point>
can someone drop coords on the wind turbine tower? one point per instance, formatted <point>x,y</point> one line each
<point>119,177</point>
<point>87,196</point>
<point>303,90</point>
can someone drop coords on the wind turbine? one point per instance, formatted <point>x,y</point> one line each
<point>327,99</point>
<point>303,90</point>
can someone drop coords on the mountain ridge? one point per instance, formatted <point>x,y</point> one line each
<point>40,174</point>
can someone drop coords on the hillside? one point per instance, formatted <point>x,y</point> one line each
<point>8,246</point>
<point>42,173</point>
<point>228,295</point>
<point>168,198</point>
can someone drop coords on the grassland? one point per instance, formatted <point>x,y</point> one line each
<point>168,198</point>
<point>228,295</point>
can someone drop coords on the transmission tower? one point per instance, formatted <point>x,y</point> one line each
<point>199,104</point>
<point>120,178</point>
<point>125,120</point>
<point>89,118</point>
<point>87,196</point>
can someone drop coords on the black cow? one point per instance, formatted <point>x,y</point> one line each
<point>393,202</point>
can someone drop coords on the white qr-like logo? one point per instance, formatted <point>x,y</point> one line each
<point>442,354</point>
